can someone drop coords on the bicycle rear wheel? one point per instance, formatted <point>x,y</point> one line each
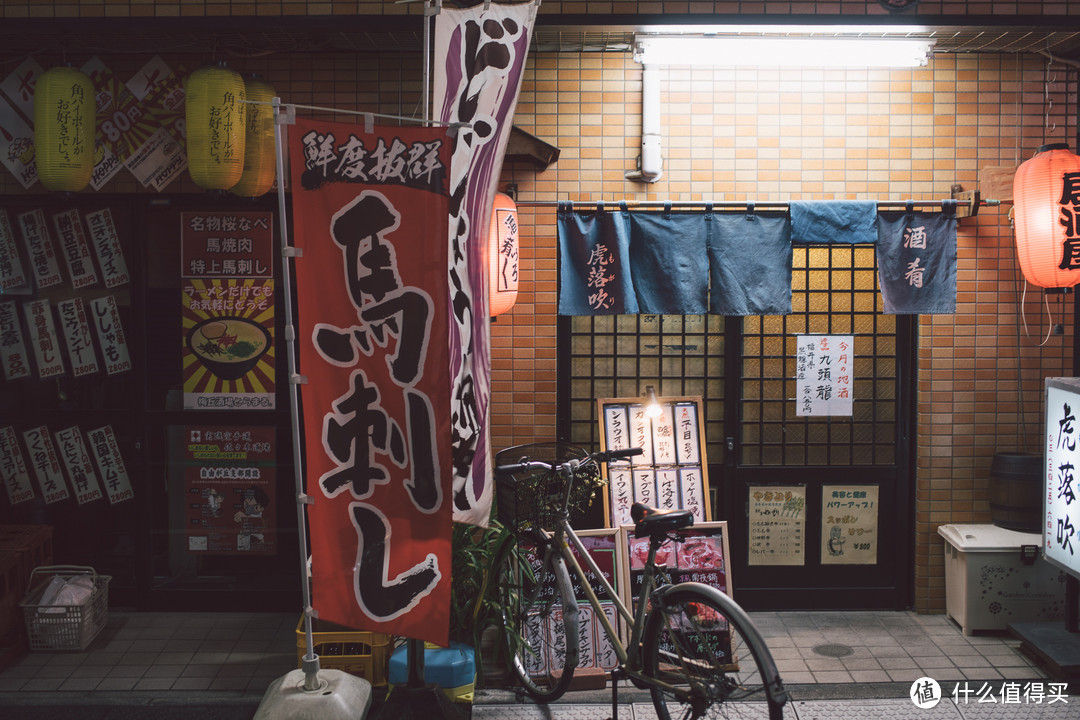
<point>703,645</point>
<point>540,620</point>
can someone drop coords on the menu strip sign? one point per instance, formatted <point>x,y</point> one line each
<point>77,337</point>
<point>11,269</point>
<point>43,338</point>
<point>111,464</point>
<point>75,248</point>
<point>13,468</point>
<point>77,461</point>
<point>12,346</point>
<point>110,334</point>
<point>107,246</point>
<point>46,464</point>
<point>40,249</point>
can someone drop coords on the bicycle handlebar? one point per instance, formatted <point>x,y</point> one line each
<point>572,465</point>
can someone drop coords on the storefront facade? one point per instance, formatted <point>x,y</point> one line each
<point>940,393</point>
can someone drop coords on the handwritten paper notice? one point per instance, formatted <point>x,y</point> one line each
<point>76,329</point>
<point>13,355</point>
<point>106,319</point>
<point>777,525</point>
<point>111,464</point>
<point>824,374</point>
<point>107,246</point>
<point>849,524</point>
<point>75,249</point>
<point>39,249</point>
<point>43,339</point>
<point>11,270</point>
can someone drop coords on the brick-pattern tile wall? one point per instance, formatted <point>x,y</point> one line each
<point>753,134</point>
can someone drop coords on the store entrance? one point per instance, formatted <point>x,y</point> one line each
<point>819,508</point>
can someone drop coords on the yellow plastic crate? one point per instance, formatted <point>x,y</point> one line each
<point>357,652</point>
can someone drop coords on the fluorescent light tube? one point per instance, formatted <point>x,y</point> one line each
<point>782,51</point>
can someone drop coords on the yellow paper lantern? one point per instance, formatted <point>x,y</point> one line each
<point>65,111</point>
<point>1046,193</point>
<point>503,255</point>
<point>216,123</point>
<point>260,156</point>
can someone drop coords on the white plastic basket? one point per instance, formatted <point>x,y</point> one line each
<point>56,626</point>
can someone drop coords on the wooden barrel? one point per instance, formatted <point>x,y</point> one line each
<point>1016,487</point>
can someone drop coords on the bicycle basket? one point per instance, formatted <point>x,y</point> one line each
<point>532,499</point>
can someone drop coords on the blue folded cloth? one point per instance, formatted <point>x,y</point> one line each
<point>838,221</point>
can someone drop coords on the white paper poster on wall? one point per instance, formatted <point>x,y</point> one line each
<point>77,461</point>
<point>13,355</point>
<point>110,333</point>
<point>46,464</point>
<point>849,524</point>
<point>777,522</point>
<point>111,464</point>
<point>11,269</point>
<point>824,374</point>
<point>39,249</point>
<point>39,322</point>
<point>13,468</point>
<point>80,346</point>
<point>106,242</point>
<point>75,249</point>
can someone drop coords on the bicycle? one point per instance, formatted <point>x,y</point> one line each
<point>684,638</point>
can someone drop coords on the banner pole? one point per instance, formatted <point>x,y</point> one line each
<point>310,660</point>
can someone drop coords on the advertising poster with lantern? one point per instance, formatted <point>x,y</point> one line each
<point>228,310</point>
<point>229,478</point>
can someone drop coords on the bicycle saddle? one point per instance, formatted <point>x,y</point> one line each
<point>650,521</point>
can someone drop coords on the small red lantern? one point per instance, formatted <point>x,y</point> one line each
<point>1046,196</point>
<point>503,256</point>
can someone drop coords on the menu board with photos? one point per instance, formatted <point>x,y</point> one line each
<point>701,555</point>
<point>671,472</point>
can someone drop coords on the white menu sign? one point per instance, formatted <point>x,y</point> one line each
<point>40,249</point>
<point>46,464</point>
<point>43,339</point>
<point>77,461</point>
<point>17,146</point>
<point>13,468</point>
<point>12,347</point>
<point>824,375</point>
<point>76,329</point>
<point>107,246</point>
<point>106,319</point>
<point>11,270</point>
<point>111,464</point>
<point>75,249</point>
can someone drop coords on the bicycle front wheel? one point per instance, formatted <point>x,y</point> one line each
<point>710,657</point>
<point>539,618</point>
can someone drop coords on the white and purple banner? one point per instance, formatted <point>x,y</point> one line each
<point>476,84</point>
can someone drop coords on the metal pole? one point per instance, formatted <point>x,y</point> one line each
<point>311,660</point>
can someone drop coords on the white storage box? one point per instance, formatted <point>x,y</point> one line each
<point>995,576</point>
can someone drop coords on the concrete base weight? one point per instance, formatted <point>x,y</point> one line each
<point>340,696</point>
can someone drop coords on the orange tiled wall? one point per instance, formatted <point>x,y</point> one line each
<point>762,134</point>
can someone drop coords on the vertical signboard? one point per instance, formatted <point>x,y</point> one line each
<point>229,475</point>
<point>228,316</point>
<point>1061,508</point>
<point>671,472</point>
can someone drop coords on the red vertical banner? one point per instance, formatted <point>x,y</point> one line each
<point>369,212</point>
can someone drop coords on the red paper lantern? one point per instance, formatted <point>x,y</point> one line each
<point>503,256</point>
<point>1046,197</point>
